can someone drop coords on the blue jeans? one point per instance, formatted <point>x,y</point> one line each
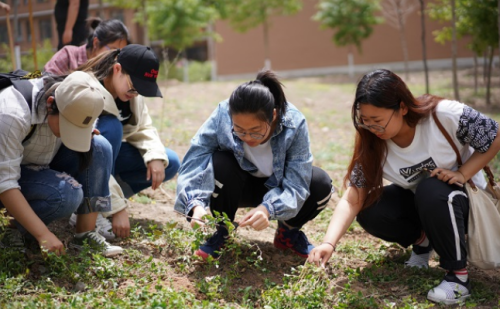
<point>94,179</point>
<point>129,168</point>
<point>58,190</point>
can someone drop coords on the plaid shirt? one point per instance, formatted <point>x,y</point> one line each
<point>15,123</point>
<point>67,59</point>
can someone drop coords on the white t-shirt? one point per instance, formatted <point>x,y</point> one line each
<point>262,157</point>
<point>430,149</point>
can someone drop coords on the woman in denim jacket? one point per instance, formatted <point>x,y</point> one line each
<point>253,151</point>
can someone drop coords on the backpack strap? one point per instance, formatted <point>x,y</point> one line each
<point>25,87</point>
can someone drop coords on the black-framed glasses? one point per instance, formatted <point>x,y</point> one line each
<point>132,91</point>
<point>256,136</point>
<point>375,127</point>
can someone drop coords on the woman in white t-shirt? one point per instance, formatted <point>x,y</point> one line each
<point>254,151</point>
<point>425,206</point>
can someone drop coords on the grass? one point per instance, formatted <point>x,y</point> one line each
<point>158,269</point>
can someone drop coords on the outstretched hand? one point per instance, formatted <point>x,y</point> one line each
<point>257,218</point>
<point>321,254</point>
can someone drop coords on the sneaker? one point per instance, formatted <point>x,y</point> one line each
<point>295,239</point>
<point>419,260</point>
<point>103,226</point>
<point>96,242</point>
<point>213,244</point>
<point>12,238</point>
<point>450,291</point>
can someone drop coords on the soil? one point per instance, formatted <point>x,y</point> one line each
<point>184,109</point>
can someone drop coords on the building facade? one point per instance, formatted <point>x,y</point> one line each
<point>298,47</point>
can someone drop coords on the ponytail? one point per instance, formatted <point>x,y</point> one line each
<point>101,65</point>
<point>260,97</point>
<point>107,31</point>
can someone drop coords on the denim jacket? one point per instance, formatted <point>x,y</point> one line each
<point>292,163</point>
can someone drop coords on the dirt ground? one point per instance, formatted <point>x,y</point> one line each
<point>186,106</point>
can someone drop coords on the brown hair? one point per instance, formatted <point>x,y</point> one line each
<point>384,89</point>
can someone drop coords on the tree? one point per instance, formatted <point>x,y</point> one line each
<point>351,20</point>
<point>475,18</point>
<point>424,45</point>
<point>395,13</point>
<point>247,14</point>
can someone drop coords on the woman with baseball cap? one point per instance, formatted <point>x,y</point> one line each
<point>52,163</point>
<point>140,160</point>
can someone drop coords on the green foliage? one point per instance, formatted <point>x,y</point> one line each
<point>43,53</point>
<point>247,14</point>
<point>197,71</point>
<point>352,20</point>
<point>477,19</point>
<point>180,23</point>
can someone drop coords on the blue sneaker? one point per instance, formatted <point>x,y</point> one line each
<point>213,244</point>
<point>295,239</point>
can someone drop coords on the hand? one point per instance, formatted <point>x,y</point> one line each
<point>67,36</point>
<point>198,213</point>
<point>320,255</point>
<point>257,218</point>
<point>5,7</point>
<point>121,224</point>
<point>156,171</point>
<point>51,243</point>
<point>448,176</point>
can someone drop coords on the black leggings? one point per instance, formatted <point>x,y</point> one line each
<point>241,189</point>
<point>439,209</point>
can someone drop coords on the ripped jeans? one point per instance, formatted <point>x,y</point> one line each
<point>58,190</point>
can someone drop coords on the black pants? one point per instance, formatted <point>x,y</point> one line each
<point>439,209</point>
<point>241,189</point>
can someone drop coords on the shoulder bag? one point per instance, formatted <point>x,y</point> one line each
<point>483,238</point>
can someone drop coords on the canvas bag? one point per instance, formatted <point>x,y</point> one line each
<point>483,238</point>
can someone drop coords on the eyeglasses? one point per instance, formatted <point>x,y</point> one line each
<point>375,127</point>
<point>132,91</point>
<point>256,136</point>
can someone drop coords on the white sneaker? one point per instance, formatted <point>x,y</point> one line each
<point>419,260</point>
<point>103,226</point>
<point>96,242</point>
<point>450,291</point>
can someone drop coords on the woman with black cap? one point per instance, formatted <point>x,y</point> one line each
<point>140,160</point>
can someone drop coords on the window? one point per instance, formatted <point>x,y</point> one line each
<point>28,30</point>
<point>45,29</point>
<point>117,14</point>
<point>4,37</point>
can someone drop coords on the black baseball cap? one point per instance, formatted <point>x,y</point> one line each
<point>141,63</point>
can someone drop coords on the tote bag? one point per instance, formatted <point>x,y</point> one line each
<point>483,237</point>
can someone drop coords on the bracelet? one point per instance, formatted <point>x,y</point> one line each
<point>465,179</point>
<point>329,243</point>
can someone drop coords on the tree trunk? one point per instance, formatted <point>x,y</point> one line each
<point>211,52</point>
<point>101,9</point>
<point>424,46</point>
<point>454,49</point>
<point>350,63</point>
<point>491,52</point>
<point>475,72</point>
<point>145,24</point>
<point>401,24</point>
<point>267,58</point>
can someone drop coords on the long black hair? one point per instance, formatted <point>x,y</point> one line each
<point>106,31</point>
<point>259,97</point>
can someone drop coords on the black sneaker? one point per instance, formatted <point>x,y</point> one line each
<point>96,242</point>
<point>450,291</point>
<point>12,238</point>
<point>294,239</point>
<point>212,246</point>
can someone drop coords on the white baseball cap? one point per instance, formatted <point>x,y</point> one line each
<point>80,100</point>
